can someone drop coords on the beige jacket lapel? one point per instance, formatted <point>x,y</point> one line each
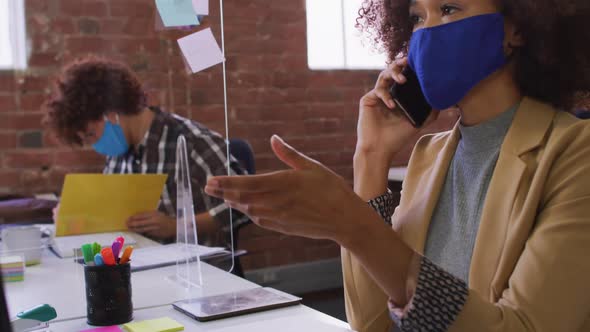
<point>505,196</point>
<point>422,187</point>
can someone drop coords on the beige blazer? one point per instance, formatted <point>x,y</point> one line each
<point>531,262</point>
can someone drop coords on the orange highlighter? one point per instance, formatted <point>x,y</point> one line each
<point>126,255</point>
<point>107,256</point>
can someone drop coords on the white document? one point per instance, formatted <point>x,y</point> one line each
<point>65,246</point>
<point>158,256</point>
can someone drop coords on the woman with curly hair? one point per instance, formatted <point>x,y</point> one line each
<point>493,227</point>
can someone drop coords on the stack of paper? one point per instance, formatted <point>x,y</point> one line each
<point>113,328</point>
<point>159,256</point>
<point>66,246</point>
<point>13,268</point>
<point>164,324</point>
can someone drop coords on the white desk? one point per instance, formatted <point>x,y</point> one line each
<point>60,283</point>
<point>292,319</point>
<point>397,173</point>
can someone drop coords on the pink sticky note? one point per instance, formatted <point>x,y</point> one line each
<point>201,7</point>
<point>201,50</point>
<point>104,329</point>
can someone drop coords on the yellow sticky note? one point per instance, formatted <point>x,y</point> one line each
<point>100,203</point>
<point>164,324</point>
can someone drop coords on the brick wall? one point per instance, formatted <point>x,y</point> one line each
<point>271,90</point>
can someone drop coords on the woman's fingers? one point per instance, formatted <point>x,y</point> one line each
<point>249,183</point>
<point>399,78</point>
<point>386,97</point>
<point>385,79</point>
<point>258,212</point>
<point>392,75</point>
<point>291,156</point>
<point>397,67</point>
<point>247,198</point>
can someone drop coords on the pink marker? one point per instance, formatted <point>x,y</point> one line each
<point>121,240</point>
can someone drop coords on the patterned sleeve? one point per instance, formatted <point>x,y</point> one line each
<point>437,300</point>
<point>384,205</point>
<point>209,159</point>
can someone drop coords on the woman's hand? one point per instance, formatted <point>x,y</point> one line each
<point>308,200</point>
<point>382,130</point>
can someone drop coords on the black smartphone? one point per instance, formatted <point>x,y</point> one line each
<point>408,97</point>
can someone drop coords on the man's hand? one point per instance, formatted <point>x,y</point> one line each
<point>55,212</point>
<point>154,224</point>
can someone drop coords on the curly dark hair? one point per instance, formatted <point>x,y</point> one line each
<point>553,65</point>
<point>86,90</point>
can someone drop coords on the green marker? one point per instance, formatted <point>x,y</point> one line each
<point>88,253</point>
<point>96,248</point>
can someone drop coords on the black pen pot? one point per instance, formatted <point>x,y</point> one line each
<point>108,294</point>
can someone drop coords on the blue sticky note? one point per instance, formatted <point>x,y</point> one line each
<point>177,13</point>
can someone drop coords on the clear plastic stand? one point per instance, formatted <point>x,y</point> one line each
<point>188,265</point>
<point>188,271</point>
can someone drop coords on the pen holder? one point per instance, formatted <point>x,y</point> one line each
<point>108,294</point>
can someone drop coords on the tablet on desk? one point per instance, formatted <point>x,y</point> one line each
<point>235,304</point>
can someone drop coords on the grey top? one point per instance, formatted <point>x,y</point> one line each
<point>455,221</point>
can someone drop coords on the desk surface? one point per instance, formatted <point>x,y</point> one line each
<point>60,283</point>
<point>397,173</point>
<point>296,319</point>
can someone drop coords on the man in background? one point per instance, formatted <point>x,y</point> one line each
<point>101,103</point>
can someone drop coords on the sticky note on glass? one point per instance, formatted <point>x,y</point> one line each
<point>154,325</point>
<point>201,50</point>
<point>177,13</point>
<point>104,329</point>
<point>201,7</point>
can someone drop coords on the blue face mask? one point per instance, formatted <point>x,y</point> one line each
<point>451,59</point>
<point>112,143</point>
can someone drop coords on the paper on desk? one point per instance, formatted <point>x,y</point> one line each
<point>158,256</point>
<point>164,324</point>
<point>201,50</point>
<point>114,328</point>
<point>66,246</point>
<point>175,13</point>
<point>201,7</point>
<point>100,203</point>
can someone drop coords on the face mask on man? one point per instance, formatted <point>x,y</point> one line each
<point>112,143</point>
<point>451,59</point>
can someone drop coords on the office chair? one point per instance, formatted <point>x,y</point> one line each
<point>242,151</point>
<point>582,114</point>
